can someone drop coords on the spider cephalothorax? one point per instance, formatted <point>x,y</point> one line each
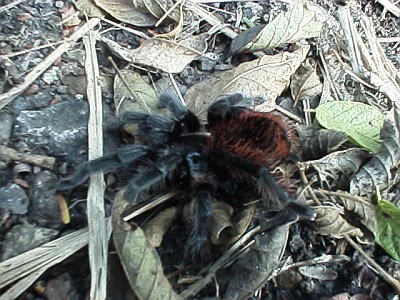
<point>229,159</point>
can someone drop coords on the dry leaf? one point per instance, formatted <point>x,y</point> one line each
<point>89,8</point>
<point>140,262</point>
<point>305,82</point>
<point>330,222</point>
<point>156,228</point>
<point>253,269</point>
<point>265,77</point>
<point>337,168</point>
<point>300,22</point>
<point>161,54</point>
<point>315,144</point>
<point>126,11</point>
<point>131,97</point>
<point>365,210</point>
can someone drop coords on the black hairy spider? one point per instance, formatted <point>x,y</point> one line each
<point>231,161</point>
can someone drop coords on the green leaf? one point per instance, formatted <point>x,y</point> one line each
<point>388,233</point>
<point>361,122</point>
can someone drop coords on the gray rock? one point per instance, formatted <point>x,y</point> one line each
<point>14,198</point>
<point>22,238</point>
<point>6,122</point>
<point>44,209</point>
<point>60,129</point>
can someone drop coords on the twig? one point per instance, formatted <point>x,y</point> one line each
<point>385,275</point>
<point>37,160</point>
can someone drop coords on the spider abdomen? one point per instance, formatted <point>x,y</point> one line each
<point>264,138</point>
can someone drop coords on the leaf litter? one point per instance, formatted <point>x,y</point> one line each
<point>358,65</point>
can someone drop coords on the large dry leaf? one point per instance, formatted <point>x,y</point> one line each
<point>300,22</point>
<point>140,261</point>
<point>337,168</point>
<point>265,77</point>
<point>330,222</point>
<point>128,11</point>
<point>256,267</point>
<point>161,54</point>
<point>377,172</point>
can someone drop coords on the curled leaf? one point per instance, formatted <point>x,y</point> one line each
<point>155,229</point>
<point>254,269</point>
<point>318,143</point>
<point>336,169</point>
<point>330,222</point>
<point>305,83</point>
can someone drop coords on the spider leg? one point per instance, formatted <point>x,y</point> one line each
<point>180,112</point>
<point>202,212</point>
<point>226,108</point>
<point>266,184</point>
<point>151,175</point>
<point>268,188</point>
<point>124,156</point>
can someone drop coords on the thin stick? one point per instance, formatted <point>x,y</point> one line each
<point>37,160</point>
<point>385,275</point>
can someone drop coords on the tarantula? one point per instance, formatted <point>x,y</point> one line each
<point>229,159</point>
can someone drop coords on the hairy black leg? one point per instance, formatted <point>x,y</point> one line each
<point>180,112</point>
<point>199,236</point>
<point>289,215</point>
<point>226,108</point>
<point>124,156</point>
<point>151,175</point>
<point>266,184</point>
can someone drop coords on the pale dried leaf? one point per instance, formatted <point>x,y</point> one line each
<point>156,228</point>
<point>300,22</point>
<point>140,262</point>
<point>139,92</point>
<point>89,8</point>
<point>161,54</point>
<point>365,210</point>
<point>265,77</point>
<point>126,11</point>
<point>305,82</point>
<point>330,222</point>
<point>318,272</point>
